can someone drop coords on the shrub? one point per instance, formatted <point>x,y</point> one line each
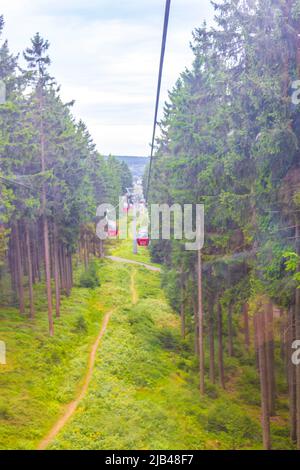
<point>81,325</point>
<point>248,385</point>
<point>89,279</point>
<point>229,419</point>
<point>211,390</point>
<point>168,340</point>
<point>4,413</point>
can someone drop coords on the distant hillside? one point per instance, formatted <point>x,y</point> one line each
<point>136,165</point>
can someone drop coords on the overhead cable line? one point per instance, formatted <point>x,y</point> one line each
<point>161,66</point>
<point>11,182</point>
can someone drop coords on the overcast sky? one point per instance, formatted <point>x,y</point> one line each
<point>105,55</point>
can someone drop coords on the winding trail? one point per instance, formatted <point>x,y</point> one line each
<point>137,263</point>
<point>71,407</point>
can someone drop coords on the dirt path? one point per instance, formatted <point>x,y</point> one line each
<point>71,407</point>
<point>137,263</point>
<point>134,293</point>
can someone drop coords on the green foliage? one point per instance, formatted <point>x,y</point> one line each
<point>90,278</point>
<point>52,368</point>
<point>230,141</point>
<point>81,325</point>
<point>4,413</point>
<point>42,146</point>
<point>168,340</point>
<point>229,421</point>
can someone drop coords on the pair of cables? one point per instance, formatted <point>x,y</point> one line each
<point>161,66</point>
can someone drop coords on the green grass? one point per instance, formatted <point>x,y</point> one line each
<point>144,390</point>
<point>140,396</point>
<point>125,250</point>
<point>42,373</point>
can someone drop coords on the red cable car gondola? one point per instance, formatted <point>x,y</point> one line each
<point>112,230</point>
<point>143,238</point>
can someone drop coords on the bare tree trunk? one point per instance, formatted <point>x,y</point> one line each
<point>260,333</point>
<point>48,275</point>
<point>68,274</point>
<point>182,317</point>
<point>270,357</point>
<point>62,268</point>
<point>85,250</point>
<point>220,348</point>
<point>19,270</point>
<point>246,326</point>
<point>297,371</point>
<point>38,252</point>
<point>196,327</point>
<point>255,320</point>
<point>12,269</point>
<point>71,271</point>
<point>45,220</point>
<point>212,372</point>
<point>56,271</point>
<point>230,332</point>
<point>283,327</point>
<point>290,337</point>
<point>182,306</point>
<point>297,331</point>
<point>30,276</point>
<point>201,324</point>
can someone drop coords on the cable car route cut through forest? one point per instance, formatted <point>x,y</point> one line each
<point>196,349</point>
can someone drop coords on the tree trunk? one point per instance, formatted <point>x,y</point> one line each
<point>283,327</point>
<point>291,369</point>
<point>85,250</point>
<point>45,220</point>
<point>182,306</point>
<point>212,372</point>
<point>68,274</point>
<point>230,332</point>
<point>260,334</point>
<point>270,357</point>
<point>297,332</point>
<point>48,275</point>
<point>19,269</point>
<point>56,271</point>
<point>30,276</point>
<point>196,327</point>
<point>182,317</point>
<point>246,326</point>
<point>201,324</point>
<point>255,320</point>
<point>220,347</point>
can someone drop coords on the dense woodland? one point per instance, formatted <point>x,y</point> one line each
<point>51,181</point>
<point>230,141</point>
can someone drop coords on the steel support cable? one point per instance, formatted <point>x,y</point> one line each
<point>161,66</point>
<point>11,182</point>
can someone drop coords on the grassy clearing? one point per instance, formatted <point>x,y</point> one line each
<point>125,250</point>
<point>144,390</point>
<point>42,374</point>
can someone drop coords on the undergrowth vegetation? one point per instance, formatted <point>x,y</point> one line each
<point>144,390</point>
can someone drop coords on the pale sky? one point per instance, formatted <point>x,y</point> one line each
<point>105,56</point>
